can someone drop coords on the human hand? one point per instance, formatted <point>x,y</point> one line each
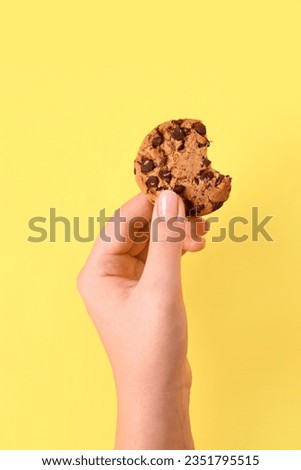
<point>132,291</point>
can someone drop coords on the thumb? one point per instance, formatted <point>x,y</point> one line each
<point>167,234</point>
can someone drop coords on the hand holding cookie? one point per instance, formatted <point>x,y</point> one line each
<point>132,291</point>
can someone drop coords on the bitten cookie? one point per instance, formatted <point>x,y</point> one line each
<point>174,156</point>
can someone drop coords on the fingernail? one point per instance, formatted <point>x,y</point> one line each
<point>168,204</point>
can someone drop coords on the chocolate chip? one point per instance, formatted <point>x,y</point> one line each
<point>158,140</point>
<point>152,182</point>
<point>179,188</point>
<point>165,175</point>
<point>186,130</point>
<point>181,146</point>
<point>189,207</point>
<point>200,144</point>
<point>147,165</point>
<point>206,175</point>
<point>134,171</point>
<point>200,128</point>
<point>178,122</point>
<point>219,180</point>
<point>206,162</point>
<point>196,180</point>
<point>217,205</point>
<point>197,210</point>
<point>177,133</point>
<point>163,160</point>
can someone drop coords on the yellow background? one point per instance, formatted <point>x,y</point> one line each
<point>81,84</point>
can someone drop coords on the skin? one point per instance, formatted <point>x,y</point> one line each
<point>132,291</point>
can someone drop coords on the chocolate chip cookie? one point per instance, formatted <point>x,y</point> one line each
<point>174,156</point>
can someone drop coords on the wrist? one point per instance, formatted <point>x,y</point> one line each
<point>159,384</point>
<point>151,417</point>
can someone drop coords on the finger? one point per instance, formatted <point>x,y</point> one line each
<point>195,229</point>
<point>143,254</point>
<point>140,241</point>
<point>117,237</point>
<point>194,246</point>
<point>162,268</point>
